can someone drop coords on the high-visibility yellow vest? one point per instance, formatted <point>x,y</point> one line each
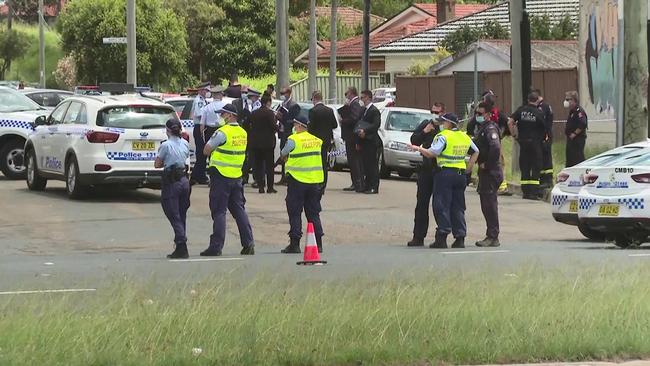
<point>304,163</point>
<point>457,146</point>
<point>229,157</point>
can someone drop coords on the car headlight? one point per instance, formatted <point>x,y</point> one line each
<point>399,146</point>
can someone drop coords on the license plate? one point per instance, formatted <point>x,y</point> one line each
<point>144,145</point>
<point>608,210</point>
<point>573,206</point>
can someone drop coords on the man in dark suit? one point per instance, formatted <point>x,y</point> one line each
<point>245,106</point>
<point>261,143</point>
<point>350,114</point>
<point>321,124</point>
<point>234,88</point>
<point>367,131</point>
<point>285,114</point>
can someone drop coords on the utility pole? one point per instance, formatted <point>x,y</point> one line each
<point>516,69</point>
<point>131,58</point>
<point>333,40</point>
<point>282,44</point>
<point>635,94</point>
<point>41,44</point>
<point>365,59</point>
<point>313,55</point>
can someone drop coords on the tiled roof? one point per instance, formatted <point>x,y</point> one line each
<point>347,15</point>
<point>461,10</point>
<point>49,10</point>
<point>429,39</point>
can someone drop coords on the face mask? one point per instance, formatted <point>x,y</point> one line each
<point>283,98</point>
<point>293,130</point>
<point>244,96</point>
<point>435,116</point>
<point>442,127</point>
<point>361,103</point>
<point>480,119</point>
<point>567,104</point>
<point>208,95</point>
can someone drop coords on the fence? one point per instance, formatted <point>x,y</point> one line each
<point>302,94</point>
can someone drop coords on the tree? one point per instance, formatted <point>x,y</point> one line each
<point>66,72</point>
<point>13,45</point>
<point>566,28</point>
<point>419,68</point>
<point>459,40</point>
<point>299,33</point>
<point>28,8</point>
<point>161,42</point>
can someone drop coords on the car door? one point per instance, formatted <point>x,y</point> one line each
<point>71,130</point>
<point>48,156</point>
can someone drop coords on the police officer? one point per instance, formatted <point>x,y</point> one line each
<point>490,173</point>
<point>175,195</point>
<point>546,175</point>
<point>198,172</point>
<point>227,149</point>
<point>528,128</point>
<point>450,147</point>
<point>575,131</point>
<point>423,136</point>
<point>305,176</point>
<point>210,116</point>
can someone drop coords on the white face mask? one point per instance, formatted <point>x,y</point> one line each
<point>208,95</point>
<point>283,98</point>
<point>361,103</point>
<point>567,104</point>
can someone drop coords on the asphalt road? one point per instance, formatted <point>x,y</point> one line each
<point>50,242</point>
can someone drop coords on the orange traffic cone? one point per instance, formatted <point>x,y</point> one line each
<point>311,256</point>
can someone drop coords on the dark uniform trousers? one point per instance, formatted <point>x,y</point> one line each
<point>530,163</point>
<point>488,187</point>
<point>264,166</point>
<point>198,172</point>
<point>546,174</point>
<point>575,151</point>
<point>449,202</point>
<point>307,196</point>
<point>355,163</point>
<point>324,154</point>
<point>228,193</point>
<point>175,200</point>
<point>370,164</point>
<point>425,185</point>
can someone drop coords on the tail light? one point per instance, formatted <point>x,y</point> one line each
<point>562,177</point>
<point>102,137</point>
<point>185,136</point>
<point>641,178</point>
<point>589,178</point>
<point>102,167</point>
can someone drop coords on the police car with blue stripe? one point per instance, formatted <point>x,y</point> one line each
<point>17,116</point>
<point>92,140</point>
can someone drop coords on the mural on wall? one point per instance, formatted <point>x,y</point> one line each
<point>601,55</point>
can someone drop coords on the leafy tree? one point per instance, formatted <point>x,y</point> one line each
<point>299,33</point>
<point>161,42</point>
<point>459,40</point>
<point>419,68</point>
<point>13,45</point>
<point>542,28</point>
<point>566,28</point>
<point>29,8</point>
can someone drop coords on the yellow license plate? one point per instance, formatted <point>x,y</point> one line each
<point>144,145</point>
<point>608,210</point>
<point>573,206</point>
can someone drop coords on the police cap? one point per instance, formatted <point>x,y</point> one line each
<point>253,93</point>
<point>228,108</point>
<point>448,117</point>
<point>205,85</point>
<point>301,120</point>
<point>217,89</point>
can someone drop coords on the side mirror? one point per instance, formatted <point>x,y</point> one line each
<point>40,121</point>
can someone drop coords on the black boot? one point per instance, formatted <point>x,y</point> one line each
<point>293,247</point>
<point>249,250</point>
<point>440,243</point>
<point>210,252</point>
<point>415,242</point>
<point>319,243</point>
<point>459,243</point>
<point>180,252</point>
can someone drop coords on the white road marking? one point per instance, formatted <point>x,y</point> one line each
<point>476,252</point>
<point>639,255</point>
<point>28,292</point>
<point>48,264</point>
<point>207,260</point>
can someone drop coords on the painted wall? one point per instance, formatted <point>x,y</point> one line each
<point>486,62</point>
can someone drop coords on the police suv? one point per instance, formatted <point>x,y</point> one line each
<point>94,140</point>
<point>17,116</point>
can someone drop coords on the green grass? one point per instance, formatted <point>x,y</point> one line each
<point>27,68</point>
<point>528,316</point>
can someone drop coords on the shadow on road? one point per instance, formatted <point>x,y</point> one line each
<point>104,194</point>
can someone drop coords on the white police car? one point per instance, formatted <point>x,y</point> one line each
<point>564,196</point>
<point>98,140</point>
<point>616,199</point>
<point>17,116</point>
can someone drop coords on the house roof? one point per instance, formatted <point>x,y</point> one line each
<point>428,40</point>
<point>49,10</point>
<point>349,16</point>
<point>460,10</point>
<point>544,54</point>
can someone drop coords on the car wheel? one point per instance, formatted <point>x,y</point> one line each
<point>34,181</point>
<point>384,172</point>
<point>73,186</point>
<point>591,234</point>
<point>12,159</point>
<point>622,241</point>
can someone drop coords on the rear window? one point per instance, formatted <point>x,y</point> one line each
<point>611,157</point>
<point>135,117</point>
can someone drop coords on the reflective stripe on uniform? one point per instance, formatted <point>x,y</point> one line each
<point>229,152</point>
<point>302,155</point>
<point>530,182</point>
<point>548,171</point>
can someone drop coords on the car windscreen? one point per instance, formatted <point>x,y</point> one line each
<point>11,101</point>
<point>135,117</point>
<point>406,121</point>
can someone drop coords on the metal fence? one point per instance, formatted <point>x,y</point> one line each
<point>301,92</point>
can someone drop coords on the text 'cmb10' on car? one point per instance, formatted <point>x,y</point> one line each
<point>92,140</point>
<point>565,194</point>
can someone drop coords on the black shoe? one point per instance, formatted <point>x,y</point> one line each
<point>271,190</point>
<point>180,252</point>
<point>458,243</point>
<point>351,188</point>
<point>293,247</point>
<point>211,253</point>
<point>249,250</point>
<point>530,197</point>
<point>440,242</point>
<point>255,185</point>
<point>488,242</point>
<point>319,244</point>
<point>415,242</point>
<point>371,191</point>
<point>261,190</point>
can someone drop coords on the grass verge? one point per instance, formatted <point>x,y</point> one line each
<point>529,316</point>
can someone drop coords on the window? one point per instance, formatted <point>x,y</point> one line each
<point>12,101</point>
<point>76,114</point>
<point>49,100</point>
<point>136,116</point>
<point>406,121</point>
<point>57,115</point>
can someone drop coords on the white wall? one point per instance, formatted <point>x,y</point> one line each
<point>486,62</point>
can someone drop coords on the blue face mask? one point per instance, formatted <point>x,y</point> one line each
<point>480,119</point>
<point>283,98</point>
<point>244,96</point>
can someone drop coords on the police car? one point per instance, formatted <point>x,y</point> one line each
<point>94,140</point>
<point>564,196</point>
<point>616,199</point>
<point>17,116</point>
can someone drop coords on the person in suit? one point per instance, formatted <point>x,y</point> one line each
<point>261,144</point>
<point>367,131</point>
<point>249,101</point>
<point>234,88</point>
<point>285,114</point>
<point>322,124</point>
<point>350,114</point>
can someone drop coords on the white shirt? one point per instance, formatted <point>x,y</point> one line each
<point>197,107</point>
<point>209,115</point>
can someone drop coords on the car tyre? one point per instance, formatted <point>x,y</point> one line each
<point>73,185</point>
<point>622,241</point>
<point>591,234</point>
<point>11,159</point>
<point>384,172</point>
<point>35,182</point>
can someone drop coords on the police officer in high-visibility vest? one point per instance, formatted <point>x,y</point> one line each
<point>450,147</point>
<point>304,170</point>
<point>227,150</point>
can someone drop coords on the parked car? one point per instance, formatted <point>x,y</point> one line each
<point>384,97</point>
<point>47,98</point>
